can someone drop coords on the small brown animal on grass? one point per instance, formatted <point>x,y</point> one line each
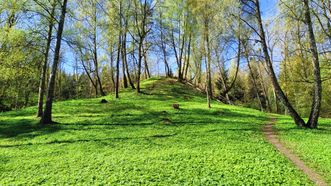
<point>175,106</point>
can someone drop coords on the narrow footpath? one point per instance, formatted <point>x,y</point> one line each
<point>272,137</point>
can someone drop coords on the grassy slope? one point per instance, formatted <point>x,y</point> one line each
<point>313,146</point>
<point>140,139</point>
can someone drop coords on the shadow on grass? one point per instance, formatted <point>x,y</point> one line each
<point>24,128</point>
<point>109,140</point>
<point>162,120</point>
<point>115,117</point>
<point>285,124</point>
<point>18,113</point>
<point>321,130</point>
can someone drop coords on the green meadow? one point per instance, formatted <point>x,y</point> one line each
<point>142,140</point>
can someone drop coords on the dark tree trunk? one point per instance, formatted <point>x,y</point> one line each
<point>208,70</point>
<point>280,94</point>
<point>11,20</point>
<point>176,54</point>
<point>317,96</point>
<point>143,30</point>
<point>139,66</point>
<point>180,67</point>
<point>98,79</point>
<point>42,82</point>
<point>124,58</point>
<point>118,53</point>
<point>90,78</point>
<point>47,115</point>
<point>118,67</point>
<point>95,53</point>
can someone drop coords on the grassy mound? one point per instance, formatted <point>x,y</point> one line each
<point>141,139</point>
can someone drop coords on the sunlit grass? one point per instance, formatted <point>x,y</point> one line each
<point>141,139</point>
<point>313,146</point>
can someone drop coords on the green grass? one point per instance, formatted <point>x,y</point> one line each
<point>312,146</point>
<point>141,139</point>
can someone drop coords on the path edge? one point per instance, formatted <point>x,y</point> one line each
<point>272,137</point>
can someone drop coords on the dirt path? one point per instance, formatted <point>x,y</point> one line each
<point>272,137</point>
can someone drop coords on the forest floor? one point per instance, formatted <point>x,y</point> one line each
<point>141,139</point>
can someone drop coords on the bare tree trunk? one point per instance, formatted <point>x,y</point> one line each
<point>143,30</point>
<point>44,68</point>
<point>280,94</point>
<point>112,66</point>
<point>208,71</point>
<point>188,55</point>
<point>47,115</point>
<point>124,56</point>
<point>11,20</point>
<point>97,73</point>
<point>118,66</point>
<point>180,67</point>
<point>139,66</point>
<point>164,50</point>
<point>317,96</point>
<point>176,54</point>
<point>148,75</point>
<point>125,80</point>
<point>89,76</point>
<point>95,52</point>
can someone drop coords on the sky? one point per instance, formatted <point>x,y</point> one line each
<point>269,11</point>
<point>269,8</point>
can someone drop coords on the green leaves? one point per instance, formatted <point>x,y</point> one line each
<point>18,64</point>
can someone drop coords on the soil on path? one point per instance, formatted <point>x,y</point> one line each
<point>272,137</point>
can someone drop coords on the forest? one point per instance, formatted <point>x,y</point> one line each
<point>169,92</point>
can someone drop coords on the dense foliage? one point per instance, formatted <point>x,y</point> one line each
<point>209,43</point>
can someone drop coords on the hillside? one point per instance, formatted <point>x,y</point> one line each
<point>141,139</point>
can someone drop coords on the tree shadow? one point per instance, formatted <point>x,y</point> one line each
<point>25,128</point>
<point>322,129</point>
<point>104,140</point>
<point>19,113</point>
<point>89,114</point>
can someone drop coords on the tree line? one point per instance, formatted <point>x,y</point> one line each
<point>68,49</point>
